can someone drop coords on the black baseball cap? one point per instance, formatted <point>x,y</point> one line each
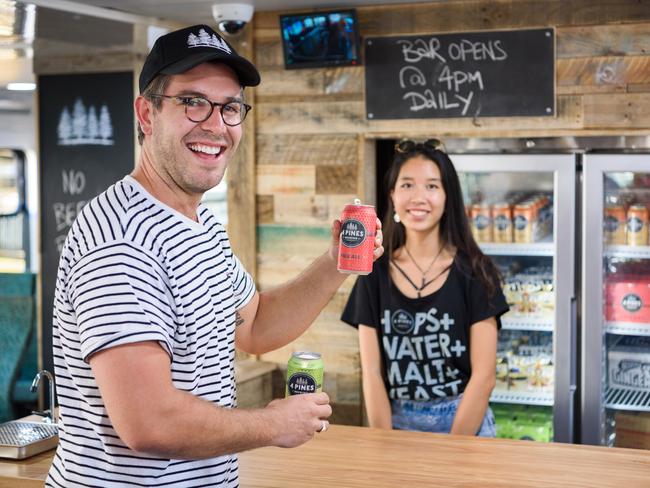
<point>182,50</point>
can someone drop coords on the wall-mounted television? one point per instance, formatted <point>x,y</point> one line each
<point>320,39</point>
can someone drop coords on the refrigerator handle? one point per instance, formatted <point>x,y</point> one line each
<point>573,364</point>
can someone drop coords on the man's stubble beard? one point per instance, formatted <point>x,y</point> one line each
<point>174,166</point>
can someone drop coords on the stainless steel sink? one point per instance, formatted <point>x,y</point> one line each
<point>19,440</point>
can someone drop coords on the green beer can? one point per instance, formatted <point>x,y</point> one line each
<point>304,373</point>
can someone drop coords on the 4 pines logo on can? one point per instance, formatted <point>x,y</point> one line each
<point>357,238</point>
<point>304,373</point>
<point>632,302</point>
<point>501,222</point>
<point>353,233</point>
<point>481,222</point>
<point>521,222</point>
<point>301,383</point>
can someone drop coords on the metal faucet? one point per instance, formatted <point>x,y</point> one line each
<point>49,415</point>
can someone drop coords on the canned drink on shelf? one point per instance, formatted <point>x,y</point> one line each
<point>357,239</point>
<point>502,222</point>
<point>304,373</point>
<point>637,225</point>
<point>546,216</point>
<point>523,216</point>
<point>614,225</point>
<point>482,222</point>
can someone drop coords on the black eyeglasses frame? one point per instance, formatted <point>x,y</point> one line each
<point>183,98</point>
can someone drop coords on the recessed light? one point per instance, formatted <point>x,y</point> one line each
<point>21,86</point>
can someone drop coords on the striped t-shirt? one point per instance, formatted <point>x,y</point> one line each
<point>131,270</point>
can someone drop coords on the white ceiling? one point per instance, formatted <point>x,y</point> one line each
<point>200,11</point>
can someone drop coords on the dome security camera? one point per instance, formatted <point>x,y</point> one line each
<point>232,17</point>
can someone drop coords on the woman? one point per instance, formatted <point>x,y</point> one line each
<point>428,313</point>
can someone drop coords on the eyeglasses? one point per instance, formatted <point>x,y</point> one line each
<point>406,145</point>
<point>199,109</point>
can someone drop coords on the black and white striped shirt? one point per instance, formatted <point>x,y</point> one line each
<point>133,269</point>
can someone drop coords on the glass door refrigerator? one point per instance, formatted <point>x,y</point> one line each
<point>522,213</point>
<point>615,407</point>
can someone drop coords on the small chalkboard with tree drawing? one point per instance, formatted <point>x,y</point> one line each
<point>86,139</point>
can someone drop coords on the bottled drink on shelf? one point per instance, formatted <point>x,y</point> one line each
<point>482,222</point>
<point>637,225</point>
<point>615,224</point>
<point>502,222</point>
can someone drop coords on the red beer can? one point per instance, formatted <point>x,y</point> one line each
<point>357,239</point>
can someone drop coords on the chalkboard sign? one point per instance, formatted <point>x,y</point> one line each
<point>474,74</point>
<point>86,144</point>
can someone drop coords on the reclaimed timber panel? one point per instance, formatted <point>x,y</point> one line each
<point>478,15</point>
<point>275,270</point>
<point>569,116</point>
<point>617,111</point>
<point>349,117</point>
<point>338,334</point>
<point>347,81</point>
<point>634,88</point>
<point>603,40</point>
<point>336,179</point>
<point>309,209</point>
<point>241,179</point>
<point>591,89</point>
<point>366,167</point>
<point>339,358</point>
<point>312,118</point>
<point>497,14</point>
<point>281,240</point>
<point>285,251</point>
<point>84,63</point>
<point>603,71</point>
<point>285,179</point>
<point>268,52</point>
<point>254,383</point>
<point>264,204</point>
<point>314,149</point>
<point>340,298</point>
<point>348,388</point>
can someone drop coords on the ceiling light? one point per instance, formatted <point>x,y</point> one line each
<point>21,86</point>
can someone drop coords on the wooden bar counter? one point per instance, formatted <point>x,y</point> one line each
<point>351,457</point>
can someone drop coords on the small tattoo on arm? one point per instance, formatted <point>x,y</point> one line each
<point>238,319</point>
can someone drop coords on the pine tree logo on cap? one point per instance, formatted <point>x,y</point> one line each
<point>205,40</point>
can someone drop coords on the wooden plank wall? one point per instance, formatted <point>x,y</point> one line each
<point>312,137</point>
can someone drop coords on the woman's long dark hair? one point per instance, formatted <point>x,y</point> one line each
<point>454,224</point>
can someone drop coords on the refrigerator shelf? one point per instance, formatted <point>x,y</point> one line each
<point>522,397</point>
<point>518,249</point>
<point>525,323</point>
<point>620,399</point>
<point>628,328</point>
<point>633,252</point>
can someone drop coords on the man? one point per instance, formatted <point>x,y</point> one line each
<point>150,299</point>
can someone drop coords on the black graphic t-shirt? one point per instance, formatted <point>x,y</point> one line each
<point>424,342</point>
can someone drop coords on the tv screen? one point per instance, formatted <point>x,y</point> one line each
<point>320,39</point>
